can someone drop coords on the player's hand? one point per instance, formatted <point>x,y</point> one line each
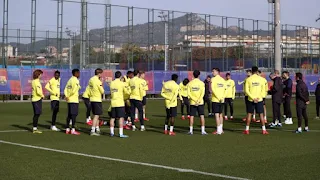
<point>66,98</point>
<point>308,102</point>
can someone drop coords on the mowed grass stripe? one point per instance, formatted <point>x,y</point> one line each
<point>125,161</point>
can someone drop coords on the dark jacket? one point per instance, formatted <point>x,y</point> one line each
<point>317,93</point>
<point>302,93</point>
<point>207,88</point>
<point>287,88</point>
<point>277,90</point>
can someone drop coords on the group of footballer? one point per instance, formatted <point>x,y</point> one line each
<point>128,94</point>
<point>222,93</point>
<point>128,100</point>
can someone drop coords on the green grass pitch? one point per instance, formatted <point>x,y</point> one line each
<point>279,155</point>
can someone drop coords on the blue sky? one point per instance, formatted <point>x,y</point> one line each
<point>299,12</point>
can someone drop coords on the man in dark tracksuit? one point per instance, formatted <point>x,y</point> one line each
<point>302,100</point>
<point>277,95</point>
<point>287,94</point>
<point>317,93</point>
<point>207,94</point>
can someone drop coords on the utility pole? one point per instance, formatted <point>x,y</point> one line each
<point>166,40</point>
<point>5,22</point>
<point>83,34</point>
<point>70,34</point>
<point>33,31</point>
<point>107,34</point>
<point>277,36</point>
<point>88,48</point>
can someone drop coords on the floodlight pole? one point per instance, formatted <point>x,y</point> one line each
<point>107,34</point>
<point>83,34</point>
<point>277,37</point>
<point>277,52</point>
<point>69,33</point>
<point>5,22</point>
<point>163,17</point>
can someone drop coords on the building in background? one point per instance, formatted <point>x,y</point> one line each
<point>10,51</point>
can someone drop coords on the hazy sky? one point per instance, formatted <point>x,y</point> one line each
<point>299,12</point>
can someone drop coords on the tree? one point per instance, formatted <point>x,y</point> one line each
<point>129,51</point>
<point>43,51</point>
<point>76,54</point>
<point>237,52</point>
<point>117,57</point>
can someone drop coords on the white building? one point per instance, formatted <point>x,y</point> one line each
<point>10,51</point>
<point>289,45</point>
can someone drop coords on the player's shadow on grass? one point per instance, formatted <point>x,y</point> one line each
<point>80,129</point>
<point>242,123</point>
<point>214,128</point>
<point>22,127</point>
<point>104,118</point>
<point>57,123</point>
<point>158,129</point>
<point>159,116</point>
<point>235,121</point>
<point>44,126</point>
<point>63,125</point>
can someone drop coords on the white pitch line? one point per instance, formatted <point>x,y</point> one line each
<point>106,128</point>
<point>7,131</point>
<point>279,130</point>
<point>125,161</point>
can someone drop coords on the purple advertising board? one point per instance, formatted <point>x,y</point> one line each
<point>18,81</point>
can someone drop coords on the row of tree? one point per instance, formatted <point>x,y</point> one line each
<point>133,53</point>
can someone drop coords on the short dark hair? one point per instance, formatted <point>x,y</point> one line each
<point>259,71</point>
<point>174,77</point>
<point>299,75</point>
<point>57,72</point>
<point>254,69</point>
<point>37,73</point>
<point>117,74</point>
<point>271,75</point>
<point>216,69</point>
<point>228,74</point>
<point>185,81</point>
<point>135,72</point>
<point>208,76</point>
<point>141,72</point>
<point>129,72</point>
<point>286,72</point>
<point>196,73</point>
<point>98,71</point>
<point>74,71</point>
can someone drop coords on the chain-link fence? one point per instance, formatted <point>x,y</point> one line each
<point>120,37</point>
